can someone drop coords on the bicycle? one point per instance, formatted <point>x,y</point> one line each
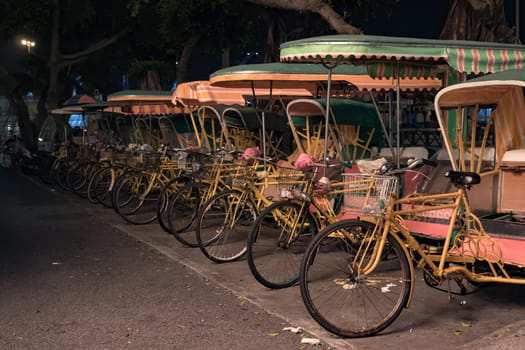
<point>113,165</point>
<point>136,193</point>
<point>185,203</point>
<point>79,174</point>
<point>358,274</point>
<point>225,219</point>
<point>281,232</point>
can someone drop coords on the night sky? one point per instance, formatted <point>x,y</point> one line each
<point>425,19</point>
<point>410,18</point>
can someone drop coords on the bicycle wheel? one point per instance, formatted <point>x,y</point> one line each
<point>135,198</point>
<point>338,295</point>
<point>78,177</point>
<point>223,226</point>
<point>91,190</point>
<point>169,190</point>
<point>182,211</point>
<point>59,171</point>
<point>277,242</point>
<point>116,179</point>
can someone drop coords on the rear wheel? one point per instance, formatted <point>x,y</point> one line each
<point>277,242</point>
<point>336,292</point>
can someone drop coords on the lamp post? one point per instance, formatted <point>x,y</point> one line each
<point>29,44</point>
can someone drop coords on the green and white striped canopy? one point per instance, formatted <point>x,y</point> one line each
<point>406,57</point>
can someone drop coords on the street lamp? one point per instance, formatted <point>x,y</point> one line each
<point>29,44</point>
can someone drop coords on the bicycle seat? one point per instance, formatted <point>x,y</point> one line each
<point>465,178</point>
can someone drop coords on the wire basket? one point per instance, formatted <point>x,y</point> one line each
<point>368,194</point>
<point>289,179</point>
<point>106,155</point>
<point>242,175</point>
<point>120,158</point>
<point>144,161</point>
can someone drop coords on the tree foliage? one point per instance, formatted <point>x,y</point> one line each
<point>66,33</point>
<point>91,44</point>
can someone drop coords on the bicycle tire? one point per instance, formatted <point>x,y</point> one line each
<point>183,209</point>
<point>78,177</point>
<point>277,242</point>
<point>60,168</point>
<point>223,226</point>
<point>91,190</point>
<point>132,200</point>
<point>169,190</point>
<point>337,296</point>
<point>116,180</point>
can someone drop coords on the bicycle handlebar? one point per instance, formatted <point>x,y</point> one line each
<point>388,168</point>
<point>326,165</point>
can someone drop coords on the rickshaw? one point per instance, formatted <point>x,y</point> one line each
<point>227,125</point>
<point>355,131</point>
<point>459,241</point>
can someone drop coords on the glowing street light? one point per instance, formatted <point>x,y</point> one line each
<point>29,44</point>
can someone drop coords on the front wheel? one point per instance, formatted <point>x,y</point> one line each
<point>167,193</point>
<point>336,291</point>
<point>183,210</point>
<point>277,242</point>
<point>223,226</point>
<point>135,198</point>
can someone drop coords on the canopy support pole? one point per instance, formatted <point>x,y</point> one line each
<point>387,136</point>
<point>398,116</point>
<point>261,120</point>
<point>327,111</point>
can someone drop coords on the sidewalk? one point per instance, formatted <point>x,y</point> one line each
<point>477,321</point>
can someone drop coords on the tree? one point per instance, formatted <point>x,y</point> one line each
<point>204,24</point>
<point>336,21</point>
<point>478,20</point>
<point>66,33</point>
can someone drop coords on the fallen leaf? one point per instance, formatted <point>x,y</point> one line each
<point>466,324</point>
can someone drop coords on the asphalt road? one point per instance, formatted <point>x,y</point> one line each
<point>74,275</point>
<point>69,280</point>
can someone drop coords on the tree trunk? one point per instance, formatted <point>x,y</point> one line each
<point>54,90</point>
<point>335,20</point>
<point>151,81</point>
<point>24,122</point>
<point>478,20</point>
<point>185,58</point>
<point>275,34</point>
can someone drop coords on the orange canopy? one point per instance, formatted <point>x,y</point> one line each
<point>198,93</point>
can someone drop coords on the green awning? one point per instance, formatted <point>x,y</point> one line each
<point>313,71</point>
<point>141,96</point>
<point>514,74</point>
<point>410,56</point>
